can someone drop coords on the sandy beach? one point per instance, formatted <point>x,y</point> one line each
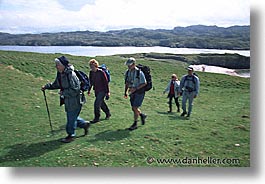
<point>221,70</point>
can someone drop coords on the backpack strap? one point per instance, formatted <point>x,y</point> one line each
<point>193,78</point>
<point>60,80</point>
<point>126,76</point>
<point>67,75</point>
<point>138,74</point>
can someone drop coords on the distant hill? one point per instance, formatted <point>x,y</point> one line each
<point>198,36</point>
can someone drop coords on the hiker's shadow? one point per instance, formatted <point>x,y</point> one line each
<point>23,151</point>
<point>163,113</point>
<point>60,129</point>
<point>109,135</point>
<point>171,116</point>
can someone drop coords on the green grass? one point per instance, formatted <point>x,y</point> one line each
<point>220,119</point>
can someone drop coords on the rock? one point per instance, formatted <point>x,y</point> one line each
<point>96,164</point>
<point>245,116</point>
<point>241,127</point>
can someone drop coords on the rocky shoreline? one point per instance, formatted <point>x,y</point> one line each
<point>230,64</point>
<point>231,61</point>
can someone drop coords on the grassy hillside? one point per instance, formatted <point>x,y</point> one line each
<point>219,127</point>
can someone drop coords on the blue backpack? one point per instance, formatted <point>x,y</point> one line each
<point>84,80</point>
<point>106,71</point>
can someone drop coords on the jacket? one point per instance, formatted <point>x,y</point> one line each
<point>176,87</point>
<point>99,81</point>
<point>190,83</point>
<point>69,84</point>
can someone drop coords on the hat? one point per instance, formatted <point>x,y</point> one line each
<point>130,61</point>
<point>63,60</point>
<point>190,68</point>
<point>174,75</point>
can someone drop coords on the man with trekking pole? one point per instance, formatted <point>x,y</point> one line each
<point>70,95</point>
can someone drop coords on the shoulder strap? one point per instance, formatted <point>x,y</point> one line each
<point>102,73</point>
<point>186,76</point>
<point>126,75</point>
<point>138,73</point>
<point>193,78</point>
<point>60,81</point>
<point>67,75</point>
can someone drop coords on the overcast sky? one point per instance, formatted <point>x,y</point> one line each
<point>36,16</point>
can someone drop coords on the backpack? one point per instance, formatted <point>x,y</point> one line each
<point>146,70</point>
<point>106,71</point>
<point>148,77</point>
<point>84,80</point>
<point>193,79</point>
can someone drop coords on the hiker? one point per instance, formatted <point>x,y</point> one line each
<point>136,85</point>
<point>69,85</point>
<point>173,90</point>
<point>189,86</point>
<point>99,81</point>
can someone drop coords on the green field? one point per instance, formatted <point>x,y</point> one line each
<point>218,130</point>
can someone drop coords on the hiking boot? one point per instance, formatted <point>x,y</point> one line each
<point>188,116</point>
<point>68,139</point>
<point>169,111</point>
<point>178,110</point>
<point>108,116</point>
<point>94,121</point>
<point>143,117</point>
<point>133,127</point>
<point>87,125</point>
<point>183,114</point>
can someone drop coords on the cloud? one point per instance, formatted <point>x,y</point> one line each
<point>75,5</point>
<point>20,16</point>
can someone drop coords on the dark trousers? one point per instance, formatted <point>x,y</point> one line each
<point>171,96</point>
<point>100,104</point>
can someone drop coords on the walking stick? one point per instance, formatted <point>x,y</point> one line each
<point>47,109</point>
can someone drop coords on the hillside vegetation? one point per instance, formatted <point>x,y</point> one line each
<point>219,127</point>
<point>208,37</point>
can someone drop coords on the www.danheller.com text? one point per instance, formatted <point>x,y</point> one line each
<point>194,161</point>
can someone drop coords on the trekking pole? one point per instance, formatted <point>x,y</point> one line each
<point>47,109</point>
